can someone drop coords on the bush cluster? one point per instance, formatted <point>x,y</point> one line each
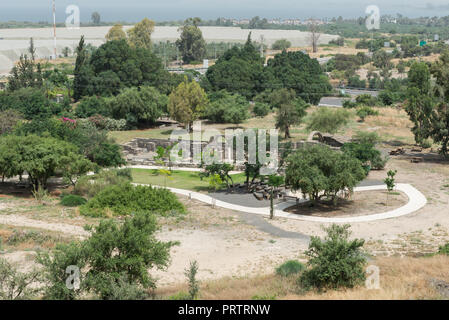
<point>335,262</point>
<point>72,200</point>
<point>126,199</point>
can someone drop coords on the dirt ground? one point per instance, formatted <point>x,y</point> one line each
<point>360,203</point>
<point>226,246</point>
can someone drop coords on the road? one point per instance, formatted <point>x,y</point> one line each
<point>338,102</point>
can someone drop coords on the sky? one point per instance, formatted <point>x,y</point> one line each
<point>163,10</point>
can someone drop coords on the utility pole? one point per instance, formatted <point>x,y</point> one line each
<point>54,28</point>
<point>261,46</point>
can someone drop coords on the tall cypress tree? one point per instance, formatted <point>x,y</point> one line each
<point>79,82</point>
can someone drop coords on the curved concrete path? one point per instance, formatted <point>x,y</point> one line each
<point>416,201</point>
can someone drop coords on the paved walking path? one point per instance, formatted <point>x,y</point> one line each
<point>416,201</point>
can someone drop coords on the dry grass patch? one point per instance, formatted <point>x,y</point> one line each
<point>400,279</point>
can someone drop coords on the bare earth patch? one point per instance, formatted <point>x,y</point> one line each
<point>361,203</point>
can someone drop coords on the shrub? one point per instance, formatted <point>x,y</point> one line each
<point>366,137</point>
<point>72,200</point>
<point>261,109</point>
<point>426,144</point>
<point>289,267</point>
<point>108,124</point>
<point>89,186</point>
<point>190,273</point>
<point>126,199</point>
<point>114,262</point>
<point>444,249</point>
<point>92,106</point>
<point>348,104</point>
<point>367,100</point>
<point>328,120</point>
<point>335,262</point>
<point>227,108</point>
<point>179,296</point>
<point>366,111</point>
<point>281,44</point>
<point>366,153</point>
<point>15,285</point>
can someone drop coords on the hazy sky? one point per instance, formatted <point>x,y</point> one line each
<point>133,10</point>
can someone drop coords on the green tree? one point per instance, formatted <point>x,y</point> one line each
<point>25,74</point>
<point>220,169</point>
<point>139,36</point>
<point>81,72</point>
<point>187,103</point>
<point>8,120</point>
<point>335,261</point>
<point>126,251</point>
<point>368,155</point>
<point>382,60</point>
<point>116,33</point>
<point>281,44</point>
<point>328,120</point>
<point>116,258</point>
<point>116,65</point>
<point>238,70</point>
<point>55,265</point>
<point>290,112</point>
<point>440,117</point>
<point>96,18</point>
<point>297,71</point>
<point>139,106</point>
<point>227,108</point>
<point>420,104</point>
<point>191,43</point>
<point>319,172</point>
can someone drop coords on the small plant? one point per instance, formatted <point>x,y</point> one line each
<point>444,249</point>
<point>15,285</point>
<point>261,109</point>
<point>39,193</point>
<point>215,182</point>
<point>179,296</point>
<point>72,200</point>
<point>289,267</point>
<point>365,111</point>
<point>191,273</point>
<point>390,181</point>
<point>335,261</point>
<point>426,144</point>
<point>348,104</point>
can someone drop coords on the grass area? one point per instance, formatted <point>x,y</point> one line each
<point>126,136</point>
<point>400,279</point>
<point>179,179</point>
<point>392,124</point>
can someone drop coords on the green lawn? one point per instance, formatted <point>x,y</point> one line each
<point>179,179</point>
